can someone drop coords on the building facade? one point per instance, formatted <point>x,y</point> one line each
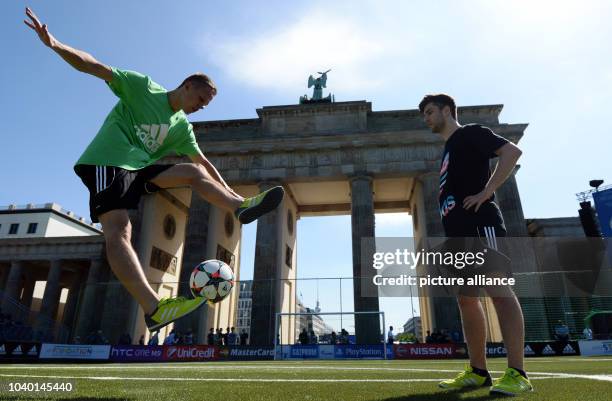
<point>243,319</point>
<point>47,220</point>
<point>413,325</point>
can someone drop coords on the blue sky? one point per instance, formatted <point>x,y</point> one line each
<point>545,61</point>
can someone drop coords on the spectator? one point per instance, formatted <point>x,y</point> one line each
<point>154,340</point>
<point>445,338</point>
<point>244,336</point>
<point>587,333</point>
<point>141,340</point>
<point>390,335</point>
<point>561,332</point>
<point>428,338</point>
<point>219,338</point>
<point>303,337</point>
<point>231,337</point>
<point>125,339</point>
<point>211,337</point>
<point>436,337</point>
<point>313,338</point>
<point>227,330</point>
<point>188,337</point>
<point>76,340</point>
<point>344,337</point>
<point>171,339</point>
<point>96,338</point>
<point>334,338</point>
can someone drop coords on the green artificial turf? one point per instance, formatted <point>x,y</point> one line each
<point>561,378</point>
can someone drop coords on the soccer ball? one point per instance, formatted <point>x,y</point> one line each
<point>212,280</point>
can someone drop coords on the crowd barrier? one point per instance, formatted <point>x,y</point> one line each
<point>328,351</point>
<point>11,351</point>
<point>16,351</point>
<point>429,351</point>
<point>595,347</point>
<point>538,348</point>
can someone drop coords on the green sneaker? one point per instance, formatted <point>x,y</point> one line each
<point>465,379</point>
<point>170,309</point>
<point>511,383</point>
<point>255,207</point>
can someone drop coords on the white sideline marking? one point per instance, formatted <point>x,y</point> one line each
<point>605,378</point>
<point>542,375</point>
<point>214,379</point>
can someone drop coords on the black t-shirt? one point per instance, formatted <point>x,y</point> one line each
<point>465,171</point>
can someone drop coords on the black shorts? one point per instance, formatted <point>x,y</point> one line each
<point>112,188</point>
<point>487,223</point>
<point>476,232</point>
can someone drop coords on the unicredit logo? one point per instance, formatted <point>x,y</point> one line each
<point>190,353</point>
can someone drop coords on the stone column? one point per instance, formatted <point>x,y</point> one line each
<point>71,302</point>
<point>28,292</point>
<point>87,308</point>
<point>367,327</point>
<point>4,273</point>
<point>266,277</point>
<point>48,307</point>
<point>13,285</point>
<point>430,184</point>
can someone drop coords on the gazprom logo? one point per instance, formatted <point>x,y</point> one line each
<point>304,352</point>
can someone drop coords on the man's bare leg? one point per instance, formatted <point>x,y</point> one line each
<point>474,329</point>
<point>117,229</point>
<point>512,327</point>
<point>123,259</point>
<point>200,181</point>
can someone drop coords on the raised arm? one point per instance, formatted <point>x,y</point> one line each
<point>508,156</point>
<point>80,60</point>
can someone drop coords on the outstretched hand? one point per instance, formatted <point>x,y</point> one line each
<point>41,29</point>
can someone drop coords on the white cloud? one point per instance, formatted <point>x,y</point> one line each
<point>392,45</point>
<point>393,220</point>
<point>283,59</point>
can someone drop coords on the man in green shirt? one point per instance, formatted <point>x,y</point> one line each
<point>118,167</point>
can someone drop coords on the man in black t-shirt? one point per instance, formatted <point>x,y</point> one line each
<point>211,337</point>
<point>243,337</point>
<point>467,209</point>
